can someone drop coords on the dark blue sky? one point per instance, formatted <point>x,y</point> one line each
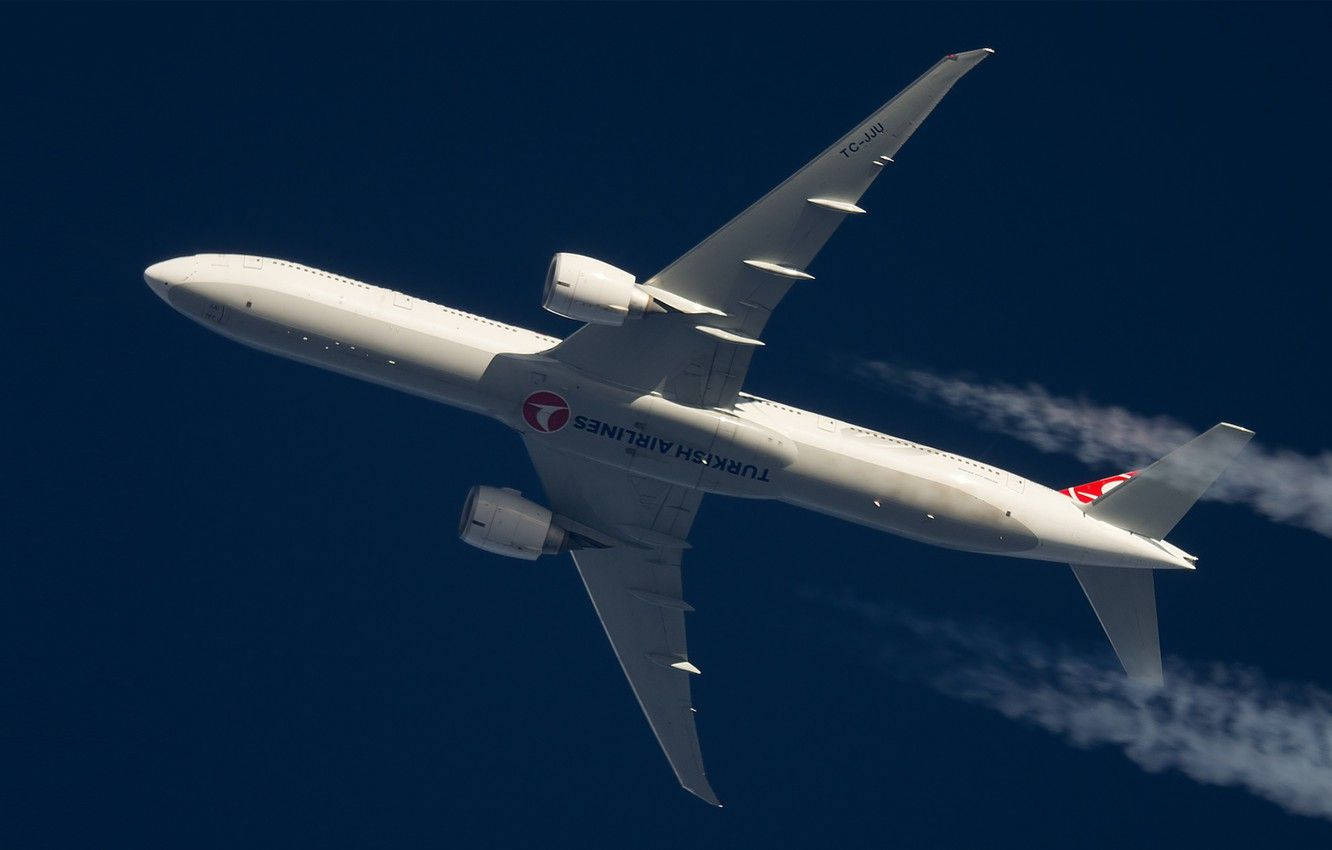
<point>238,612</point>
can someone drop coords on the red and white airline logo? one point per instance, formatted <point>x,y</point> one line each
<point>545,411</point>
<point>1086,493</point>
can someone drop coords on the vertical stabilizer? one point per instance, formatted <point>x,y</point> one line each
<point>1124,600</point>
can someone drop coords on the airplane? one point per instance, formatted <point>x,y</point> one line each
<point>639,413</point>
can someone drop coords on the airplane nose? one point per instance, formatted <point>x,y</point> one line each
<point>168,273</point>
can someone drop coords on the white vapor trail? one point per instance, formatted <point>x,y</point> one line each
<point>1219,724</point>
<point>1282,485</point>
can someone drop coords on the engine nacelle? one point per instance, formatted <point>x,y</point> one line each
<point>503,522</point>
<point>589,290</point>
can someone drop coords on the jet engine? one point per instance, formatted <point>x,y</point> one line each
<point>589,290</point>
<point>502,521</point>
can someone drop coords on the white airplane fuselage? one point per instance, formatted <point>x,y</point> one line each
<point>760,449</point>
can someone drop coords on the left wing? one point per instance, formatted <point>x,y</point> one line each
<point>636,589</point>
<point>721,293</point>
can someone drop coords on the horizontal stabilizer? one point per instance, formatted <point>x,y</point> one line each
<point>1153,501</point>
<point>1124,600</point>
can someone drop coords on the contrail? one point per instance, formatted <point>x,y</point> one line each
<point>1283,485</point>
<point>1219,724</point>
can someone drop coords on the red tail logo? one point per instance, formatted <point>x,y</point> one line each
<point>1085,493</point>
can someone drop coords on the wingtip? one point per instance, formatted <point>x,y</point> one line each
<point>970,56</point>
<point>706,795</point>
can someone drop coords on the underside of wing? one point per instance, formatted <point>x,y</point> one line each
<point>636,587</point>
<point>719,295</point>
<point>637,597</point>
<point>1125,602</point>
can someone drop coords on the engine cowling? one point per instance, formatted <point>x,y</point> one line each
<point>589,290</point>
<point>502,521</point>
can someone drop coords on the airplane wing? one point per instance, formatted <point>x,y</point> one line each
<point>721,293</point>
<point>636,589</point>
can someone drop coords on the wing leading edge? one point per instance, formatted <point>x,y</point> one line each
<point>636,589</point>
<point>742,271</point>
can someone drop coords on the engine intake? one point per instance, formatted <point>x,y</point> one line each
<point>589,290</point>
<point>502,521</point>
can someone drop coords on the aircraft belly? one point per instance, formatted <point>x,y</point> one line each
<point>643,434</point>
<point>340,340</point>
<point>902,502</point>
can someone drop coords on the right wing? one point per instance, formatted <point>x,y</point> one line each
<point>636,588</point>
<point>637,596</point>
<point>722,292</point>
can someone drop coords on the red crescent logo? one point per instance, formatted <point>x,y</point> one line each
<point>545,411</point>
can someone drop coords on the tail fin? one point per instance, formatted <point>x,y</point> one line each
<point>1151,502</point>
